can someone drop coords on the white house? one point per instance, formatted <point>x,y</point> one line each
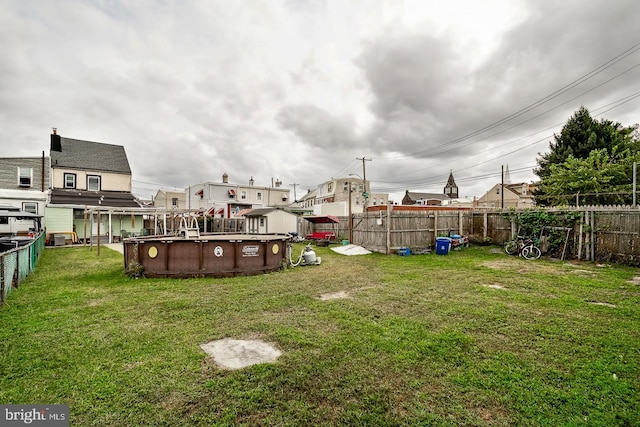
<point>340,196</point>
<point>88,175</point>
<point>225,200</point>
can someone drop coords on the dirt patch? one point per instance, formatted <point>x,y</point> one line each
<point>499,265</point>
<point>494,286</point>
<point>522,266</point>
<point>604,304</point>
<point>635,280</point>
<point>334,295</point>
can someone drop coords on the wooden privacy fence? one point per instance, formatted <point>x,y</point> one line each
<point>596,233</point>
<point>17,264</point>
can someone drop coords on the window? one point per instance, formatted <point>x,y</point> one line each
<point>243,195</point>
<point>4,220</point>
<point>174,202</point>
<point>259,195</point>
<point>330,187</point>
<point>30,207</point>
<point>93,183</point>
<point>24,177</point>
<point>345,187</point>
<point>261,222</point>
<point>69,180</point>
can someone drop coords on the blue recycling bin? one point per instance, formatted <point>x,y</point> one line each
<point>443,244</point>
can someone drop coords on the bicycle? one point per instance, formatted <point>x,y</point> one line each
<point>523,247</point>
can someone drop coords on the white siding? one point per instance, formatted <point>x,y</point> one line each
<point>59,219</point>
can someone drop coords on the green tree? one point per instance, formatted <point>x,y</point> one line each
<point>601,178</point>
<point>590,157</point>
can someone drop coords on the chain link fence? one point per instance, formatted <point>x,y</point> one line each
<point>17,264</point>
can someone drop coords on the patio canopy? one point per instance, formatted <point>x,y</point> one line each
<point>326,219</point>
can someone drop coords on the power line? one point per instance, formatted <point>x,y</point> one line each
<point>541,101</point>
<point>612,105</point>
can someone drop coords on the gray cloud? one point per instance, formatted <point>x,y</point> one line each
<point>297,90</point>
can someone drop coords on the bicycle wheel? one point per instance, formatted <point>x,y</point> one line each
<point>511,247</point>
<point>532,252</point>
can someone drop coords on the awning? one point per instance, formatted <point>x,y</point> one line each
<point>200,193</point>
<point>326,219</point>
<point>232,192</point>
<point>19,215</point>
<point>215,211</point>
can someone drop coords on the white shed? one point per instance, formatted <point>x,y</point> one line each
<point>270,220</point>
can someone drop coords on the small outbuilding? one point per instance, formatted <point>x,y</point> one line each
<point>270,220</point>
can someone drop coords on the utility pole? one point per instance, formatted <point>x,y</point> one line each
<point>366,194</point>
<point>502,190</point>
<point>350,216</point>
<point>295,198</point>
<point>634,183</point>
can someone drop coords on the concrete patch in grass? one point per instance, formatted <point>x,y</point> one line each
<point>237,354</point>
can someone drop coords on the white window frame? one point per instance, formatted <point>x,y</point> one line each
<point>30,207</point>
<point>259,195</point>
<point>73,179</point>
<point>98,181</point>
<point>22,174</point>
<point>174,202</point>
<point>243,195</point>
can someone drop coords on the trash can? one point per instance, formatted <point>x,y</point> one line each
<point>443,244</point>
<point>59,239</point>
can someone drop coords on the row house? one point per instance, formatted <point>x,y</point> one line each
<point>225,200</point>
<point>87,178</point>
<point>340,196</point>
<point>24,186</point>
<point>519,195</point>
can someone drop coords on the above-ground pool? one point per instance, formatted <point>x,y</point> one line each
<point>208,255</point>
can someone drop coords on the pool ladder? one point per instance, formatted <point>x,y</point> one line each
<point>189,231</point>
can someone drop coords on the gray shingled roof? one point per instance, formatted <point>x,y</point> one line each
<point>87,155</point>
<point>116,199</point>
<point>427,196</point>
<point>260,212</point>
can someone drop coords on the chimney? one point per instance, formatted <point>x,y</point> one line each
<point>251,182</point>
<point>225,178</point>
<point>278,183</point>
<point>56,144</point>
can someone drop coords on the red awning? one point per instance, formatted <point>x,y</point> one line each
<point>327,219</point>
<point>200,193</point>
<point>232,192</point>
<point>214,211</point>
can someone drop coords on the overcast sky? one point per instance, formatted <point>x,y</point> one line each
<point>297,90</point>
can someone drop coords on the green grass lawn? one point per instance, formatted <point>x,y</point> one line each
<point>472,338</point>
